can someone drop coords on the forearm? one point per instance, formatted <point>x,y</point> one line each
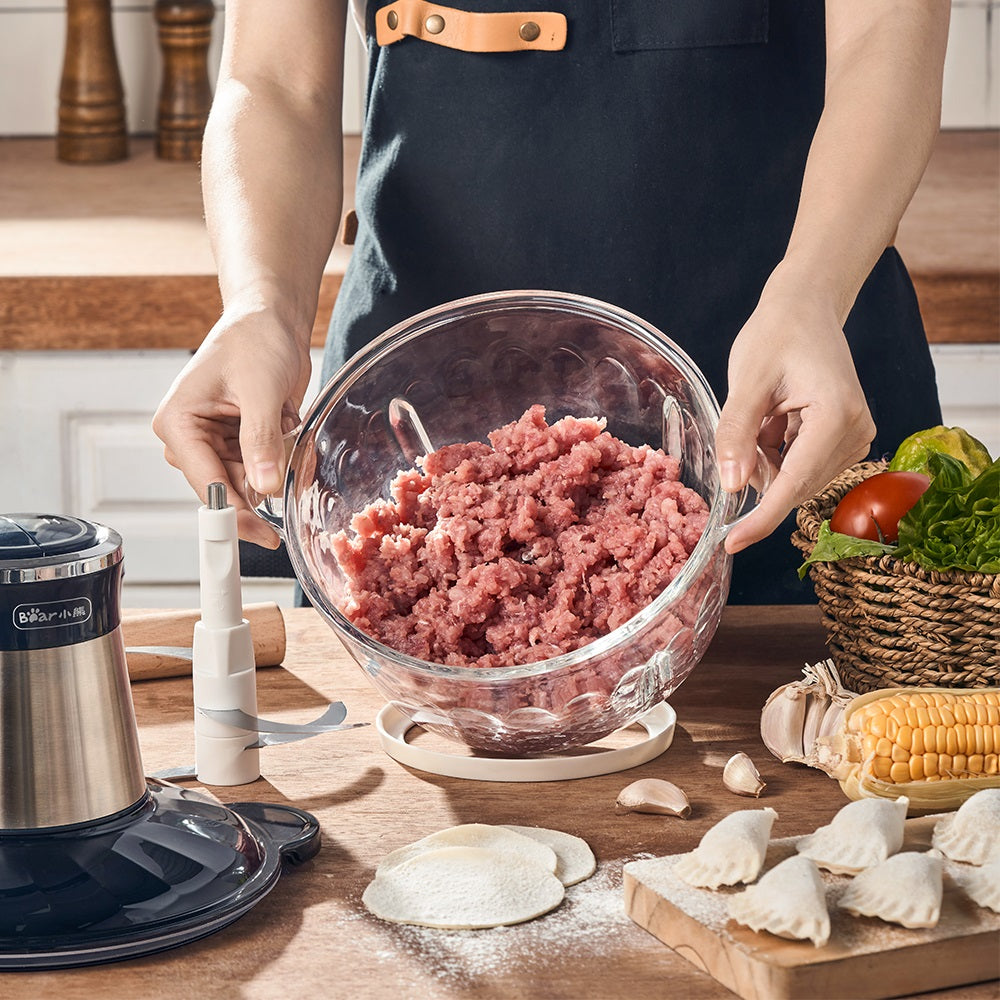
<point>880,119</point>
<point>272,185</point>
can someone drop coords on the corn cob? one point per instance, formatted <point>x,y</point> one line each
<point>936,746</point>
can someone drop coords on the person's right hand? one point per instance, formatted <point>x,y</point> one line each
<point>224,417</point>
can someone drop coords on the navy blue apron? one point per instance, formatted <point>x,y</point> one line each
<point>655,162</point>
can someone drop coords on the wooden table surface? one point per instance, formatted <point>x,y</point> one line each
<point>311,936</point>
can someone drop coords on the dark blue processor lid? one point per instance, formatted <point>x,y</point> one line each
<point>50,546</point>
<point>28,536</point>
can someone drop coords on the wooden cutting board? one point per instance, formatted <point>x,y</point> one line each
<point>864,958</point>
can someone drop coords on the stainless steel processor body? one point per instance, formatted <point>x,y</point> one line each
<point>69,750</point>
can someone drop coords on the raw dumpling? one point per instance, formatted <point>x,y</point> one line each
<point>862,834</point>
<point>789,900</point>
<point>731,851</point>
<point>463,888</point>
<point>575,860</point>
<point>492,838</point>
<point>982,885</point>
<point>904,889</point>
<point>972,833</point>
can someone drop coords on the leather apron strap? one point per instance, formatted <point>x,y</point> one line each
<point>511,31</point>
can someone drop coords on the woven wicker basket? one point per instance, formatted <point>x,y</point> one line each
<point>894,624</point>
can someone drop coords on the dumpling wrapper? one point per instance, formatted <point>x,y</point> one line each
<point>575,860</point>
<point>904,889</point>
<point>972,832</point>
<point>463,888</point>
<point>789,901</point>
<point>862,834</point>
<point>731,851</point>
<point>982,884</point>
<point>484,835</point>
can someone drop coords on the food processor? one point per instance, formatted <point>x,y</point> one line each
<point>97,861</point>
<point>453,374</point>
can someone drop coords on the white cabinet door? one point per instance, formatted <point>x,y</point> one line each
<point>75,438</point>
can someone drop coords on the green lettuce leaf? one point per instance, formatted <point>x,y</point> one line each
<point>832,545</point>
<point>956,523</point>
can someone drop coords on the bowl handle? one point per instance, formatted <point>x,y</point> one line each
<point>751,494</point>
<point>265,505</point>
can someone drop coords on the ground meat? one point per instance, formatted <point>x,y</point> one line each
<point>513,552</point>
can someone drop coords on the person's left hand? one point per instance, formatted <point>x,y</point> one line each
<point>793,391</point>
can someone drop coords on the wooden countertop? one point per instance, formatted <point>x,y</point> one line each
<point>116,255</point>
<point>312,936</point>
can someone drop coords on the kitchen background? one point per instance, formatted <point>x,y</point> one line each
<point>106,283</point>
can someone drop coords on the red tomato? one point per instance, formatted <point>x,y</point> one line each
<point>873,508</point>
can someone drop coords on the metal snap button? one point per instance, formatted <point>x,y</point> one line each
<point>434,24</point>
<point>529,31</point>
<point>392,19</point>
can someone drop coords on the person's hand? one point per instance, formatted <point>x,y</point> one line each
<point>793,391</point>
<point>224,417</point>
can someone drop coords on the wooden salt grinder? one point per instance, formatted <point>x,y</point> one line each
<point>91,99</point>
<point>185,31</point>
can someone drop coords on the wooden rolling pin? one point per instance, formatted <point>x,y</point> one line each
<point>176,628</point>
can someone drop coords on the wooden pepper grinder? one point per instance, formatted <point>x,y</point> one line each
<point>185,30</point>
<point>91,100</point>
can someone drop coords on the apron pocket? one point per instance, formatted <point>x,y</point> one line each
<point>686,24</point>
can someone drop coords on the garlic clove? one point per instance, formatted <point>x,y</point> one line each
<point>654,795</point>
<point>742,777</point>
<point>782,720</point>
<point>796,715</point>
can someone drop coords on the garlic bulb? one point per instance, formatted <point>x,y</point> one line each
<point>796,715</point>
<point>654,795</point>
<point>742,777</point>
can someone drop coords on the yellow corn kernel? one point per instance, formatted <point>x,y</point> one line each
<point>976,763</point>
<point>899,772</point>
<point>904,737</point>
<point>941,739</point>
<point>982,715</point>
<point>935,717</point>
<point>883,748</point>
<point>930,764</point>
<point>991,763</point>
<point>992,715</point>
<point>959,764</point>
<point>989,746</point>
<point>881,766</point>
<point>868,743</point>
<point>924,717</point>
<point>974,739</point>
<point>917,742</point>
<point>917,700</point>
<point>899,753</point>
<point>876,724</point>
<point>899,714</point>
<point>946,717</point>
<point>961,715</point>
<point>945,767</point>
<point>891,727</point>
<point>916,768</point>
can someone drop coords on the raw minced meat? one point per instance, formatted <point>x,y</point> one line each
<point>531,546</point>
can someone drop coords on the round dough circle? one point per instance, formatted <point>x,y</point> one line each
<point>463,888</point>
<point>493,838</point>
<point>575,860</point>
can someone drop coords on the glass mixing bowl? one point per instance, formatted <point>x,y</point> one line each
<point>451,375</point>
